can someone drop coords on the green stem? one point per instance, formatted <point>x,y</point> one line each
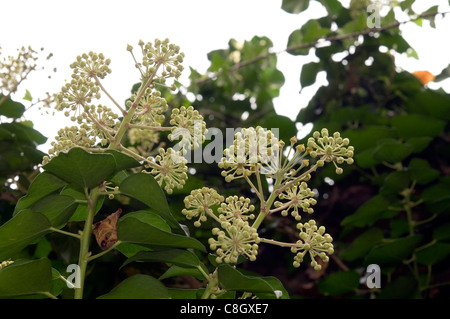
<point>117,243</point>
<point>85,239</point>
<point>128,115</point>
<point>65,232</point>
<point>213,283</point>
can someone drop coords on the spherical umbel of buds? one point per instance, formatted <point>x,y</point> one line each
<point>199,203</point>
<point>237,238</point>
<point>91,65</point>
<point>171,170</point>
<point>299,196</point>
<point>330,149</point>
<point>236,207</point>
<point>315,242</point>
<point>189,125</point>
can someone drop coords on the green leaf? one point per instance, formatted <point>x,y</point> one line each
<point>27,96</point>
<point>414,125</point>
<point>393,252</point>
<point>368,213</point>
<point>294,6</point>
<point>24,278</point>
<point>421,172</point>
<point>184,293</point>
<point>395,182</point>
<point>232,279</point>
<point>44,184</point>
<point>333,7</point>
<point>123,161</point>
<point>309,73</point>
<point>11,109</point>
<point>138,287</point>
<point>20,231</point>
<point>442,233</point>
<point>445,74</point>
<point>182,258</point>
<point>433,254</point>
<point>25,134</point>
<point>430,103</point>
<point>82,168</point>
<point>367,137</point>
<point>392,151</point>
<point>437,197</point>
<point>146,189</point>
<point>339,283</point>
<point>57,208</point>
<point>134,229</point>
<point>363,244</point>
<point>175,271</point>
<point>309,33</point>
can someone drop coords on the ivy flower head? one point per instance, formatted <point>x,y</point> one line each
<point>252,149</point>
<point>101,122</point>
<point>189,125</point>
<point>171,169</point>
<point>330,149</point>
<point>150,110</point>
<point>313,241</point>
<point>236,238</point>
<point>299,196</point>
<point>76,95</point>
<point>160,54</point>
<point>236,207</point>
<point>91,65</point>
<point>199,202</point>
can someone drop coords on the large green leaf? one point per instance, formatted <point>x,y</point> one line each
<point>392,151</point>
<point>123,161</point>
<point>82,168</point>
<point>175,271</point>
<point>339,283</point>
<point>363,244</point>
<point>182,258</point>
<point>393,252</point>
<point>11,109</point>
<point>57,208</point>
<point>138,287</point>
<point>368,213</point>
<point>146,189</point>
<point>133,228</point>
<point>309,73</point>
<point>20,231</point>
<point>421,172</point>
<point>414,125</point>
<point>433,254</point>
<point>44,184</point>
<point>232,279</point>
<point>26,277</point>
<point>300,41</point>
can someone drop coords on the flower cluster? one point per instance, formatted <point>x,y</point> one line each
<point>170,170</point>
<point>199,203</point>
<point>299,196</point>
<point>236,208</point>
<point>90,65</point>
<point>330,149</point>
<point>236,238</point>
<point>13,70</point>
<point>253,149</point>
<point>150,109</point>
<point>189,125</point>
<point>315,242</point>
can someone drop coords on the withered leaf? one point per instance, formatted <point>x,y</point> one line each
<point>105,231</point>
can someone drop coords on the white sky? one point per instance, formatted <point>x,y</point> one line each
<point>69,28</point>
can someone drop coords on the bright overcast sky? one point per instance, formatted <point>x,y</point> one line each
<point>69,28</point>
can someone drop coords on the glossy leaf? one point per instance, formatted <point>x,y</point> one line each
<point>182,258</point>
<point>138,287</point>
<point>44,184</point>
<point>414,125</point>
<point>393,252</point>
<point>146,189</point>
<point>82,168</point>
<point>26,277</point>
<point>295,6</point>
<point>20,231</point>
<point>363,244</point>
<point>433,254</point>
<point>11,109</point>
<point>232,279</point>
<point>137,230</point>
<point>368,213</point>
<point>309,74</point>
<point>175,271</point>
<point>57,208</point>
